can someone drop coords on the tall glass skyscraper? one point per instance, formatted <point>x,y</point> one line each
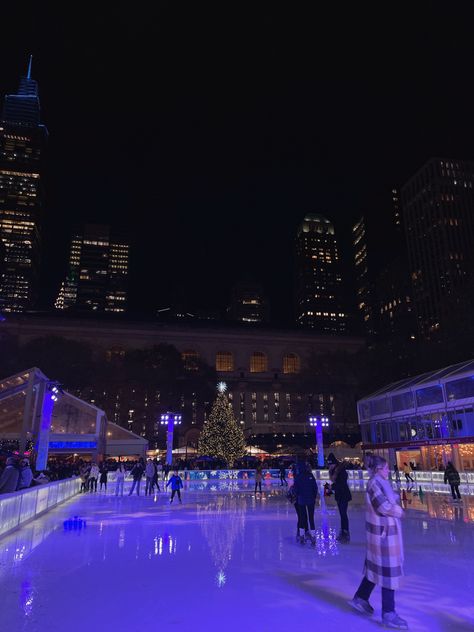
<point>97,272</point>
<point>22,140</point>
<point>318,282</point>
<point>438,215</point>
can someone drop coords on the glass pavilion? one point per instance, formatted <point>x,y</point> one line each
<point>427,419</point>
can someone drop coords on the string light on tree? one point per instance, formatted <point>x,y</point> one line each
<point>221,436</point>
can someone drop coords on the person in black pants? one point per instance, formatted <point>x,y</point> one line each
<point>282,475</point>
<point>306,491</point>
<point>451,476</point>
<point>342,494</point>
<point>258,479</point>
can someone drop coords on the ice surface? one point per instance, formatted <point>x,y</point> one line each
<point>226,561</point>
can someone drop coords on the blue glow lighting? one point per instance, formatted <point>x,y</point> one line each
<point>72,445</point>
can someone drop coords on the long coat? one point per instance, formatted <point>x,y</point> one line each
<point>384,561</point>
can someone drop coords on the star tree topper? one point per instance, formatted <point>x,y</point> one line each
<point>222,387</point>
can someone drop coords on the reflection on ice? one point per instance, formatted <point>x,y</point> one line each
<point>229,545</point>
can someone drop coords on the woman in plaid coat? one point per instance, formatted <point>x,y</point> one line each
<point>384,557</point>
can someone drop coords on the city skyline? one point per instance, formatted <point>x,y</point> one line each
<point>210,161</point>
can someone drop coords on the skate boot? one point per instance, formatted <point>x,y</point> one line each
<point>393,621</point>
<point>361,605</point>
<point>343,537</point>
<point>312,537</point>
<point>300,537</point>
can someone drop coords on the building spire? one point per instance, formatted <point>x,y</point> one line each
<point>28,74</point>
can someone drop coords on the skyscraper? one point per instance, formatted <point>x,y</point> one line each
<point>22,140</point>
<point>438,216</point>
<point>248,304</point>
<point>97,272</point>
<point>318,282</point>
<point>364,285</point>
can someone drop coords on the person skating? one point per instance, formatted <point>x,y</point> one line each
<point>397,472</point>
<point>306,491</point>
<point>451,476</point>
<point>103,477</point>
<point>93,476</point>
<point>155,477</point>
<point>342,495</point>
<point>176,485</point>
<point>150,472</point>
<point>384,555</point>
<point>120,479</point>
<point>137,473</point>
<point>406,471</point>
<point>282,475</point>
<point>258,479</point>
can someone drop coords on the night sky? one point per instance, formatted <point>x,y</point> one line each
<point>206,131</point>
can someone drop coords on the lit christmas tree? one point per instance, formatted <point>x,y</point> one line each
<point>221,436</point>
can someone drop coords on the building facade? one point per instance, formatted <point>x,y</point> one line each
<point>318,278</point>
<point>427,419</point>
<point>364,287</point>
<point>22,141</point>
<point>248,304</point>
<point>266,372</point>
<point>97,272</point>
<point>438,218</point>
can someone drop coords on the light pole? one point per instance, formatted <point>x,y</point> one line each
<point>171,420</point>
<point>319,423</point>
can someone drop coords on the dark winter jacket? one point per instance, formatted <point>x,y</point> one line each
<point>175,482</point>
<point>137,472</point>
<point>305,488</point>
<point>9,479</point>
<point>338,476</point>
<point>451,475</point>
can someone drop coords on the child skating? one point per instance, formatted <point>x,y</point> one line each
<point>176,485</point>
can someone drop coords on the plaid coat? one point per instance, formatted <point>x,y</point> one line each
<point>384,560</point>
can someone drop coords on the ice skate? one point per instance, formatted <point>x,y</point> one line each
<point>393,621</point>
<point>343,537</point>
<point>361,605</point>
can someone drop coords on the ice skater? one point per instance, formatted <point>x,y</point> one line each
<point>384,555</point>
<point>306,491</point>
<point>451,476</point>
<point>103,477</point>
<point>282,475</point>
<point>406,471</point>
<point>342,495</point>
<point>176,485</point>
<point>120,479</point>
<point>93,476</point>
<point>137,473</point>
<point>258,479</point>
<point>150,472</point>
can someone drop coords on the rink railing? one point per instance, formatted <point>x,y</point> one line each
<point>356,478</point>
<point>20,507</point>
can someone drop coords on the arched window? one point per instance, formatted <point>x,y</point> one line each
<point>258,362</point>
<point>224,361</point>
<point>190,360</point>
<point>291,363</point>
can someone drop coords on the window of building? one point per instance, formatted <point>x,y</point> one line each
<point>258,362</point>
<point>224,361</point>
<point>291,363</point>
<point>190,360</point>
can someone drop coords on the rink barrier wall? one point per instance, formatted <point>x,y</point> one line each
<point>20,507</point>
<point>434,479</point>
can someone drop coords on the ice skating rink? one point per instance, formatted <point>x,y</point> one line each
<point>227,561</point>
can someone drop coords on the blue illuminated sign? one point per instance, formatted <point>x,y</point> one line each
<point>72,445</point>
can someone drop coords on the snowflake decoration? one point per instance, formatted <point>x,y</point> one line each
<point>222,387</point>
